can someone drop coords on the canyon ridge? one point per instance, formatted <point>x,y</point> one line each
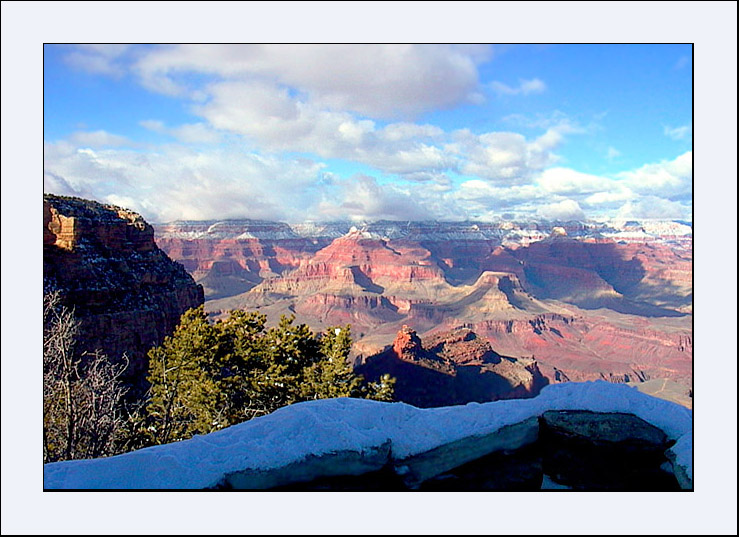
<point>579,300</point>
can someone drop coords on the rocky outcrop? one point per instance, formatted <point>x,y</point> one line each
<point>127,294</point>
<point>452,368</point>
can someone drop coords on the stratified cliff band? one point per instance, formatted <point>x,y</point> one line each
<point>126,292</point>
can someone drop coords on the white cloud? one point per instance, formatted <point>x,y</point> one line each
<point>306,98</point>
<point>272,119</point>
<point>99,59</point>
<point>269,99</point>
<point>568,181</point>
<point>384,81</point>
<point>654,207</point>
<point>525,87</point>
<point>180,182</point>
<point>611,198</point>
<point>99,138</point>
<point>489,196</point>
<point>503,157</point>
<point>678,133</point>
<point>362,198</point>
<point>564,210</point>
<point>154,125</point>
<point>667,179</point>
<point>189,133</point>
<point>396,132</point>
<point>175,182</point>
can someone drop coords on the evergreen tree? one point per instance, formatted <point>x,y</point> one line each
<point>208,376</point>
<point>331,375</point>
<point>241,364</point>
<point>289,350</point>
<point>382,390</point>
<point>185,395</point>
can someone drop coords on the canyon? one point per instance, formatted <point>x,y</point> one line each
<point>581,300</point>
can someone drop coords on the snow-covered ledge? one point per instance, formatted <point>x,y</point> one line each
<point>332,437</point>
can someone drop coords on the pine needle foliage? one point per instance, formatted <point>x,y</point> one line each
<point>207,376</point>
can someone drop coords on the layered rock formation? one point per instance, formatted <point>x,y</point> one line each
<point>648,278</point>
<point>125,291</point>
<point>596,347</point>
<point>587,300</point>
<point>452,368</point>
<point>230,257</point>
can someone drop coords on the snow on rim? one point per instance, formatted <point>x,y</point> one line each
<point>329,425</point>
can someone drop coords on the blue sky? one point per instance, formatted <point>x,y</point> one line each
<point>365,132</point>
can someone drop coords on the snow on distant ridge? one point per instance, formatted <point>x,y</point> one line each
<point>659,228</point>
<point>516,232</point>
<point>319,427</point>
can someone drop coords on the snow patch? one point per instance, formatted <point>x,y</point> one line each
<point>315,428</point>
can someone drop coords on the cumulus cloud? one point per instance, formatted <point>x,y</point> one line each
<point>382,81</point>
<point>99,59</point>
<point>186,182</point>
<point>610,198</point>
<point>567,181</point>
<point>525,87</point>
<point>502,157</point>
<point>476,189</point>
<point>363,198</point>
<point>312,98</point>
<point>348,102</point>
<point>667,179</point>
<point>654,207</point>
<point>175,182</point>
<point>563,210</point>
<point>277,121</point>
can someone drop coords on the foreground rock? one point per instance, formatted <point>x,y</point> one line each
<point>127,294</point>
<point>354,444</point>
<point>604,451</point>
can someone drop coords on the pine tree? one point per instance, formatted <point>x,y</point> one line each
<point>208,376</point>
<point>331,375</point>
<point>382,390</point>
<point>243,365</point>
<point>289,350</point>
<point>185,397</point>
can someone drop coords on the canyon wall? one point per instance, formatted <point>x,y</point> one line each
<point>125,291</point>
<point>587,301</point>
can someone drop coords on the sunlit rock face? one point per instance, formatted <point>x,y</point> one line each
<point>125,291</point>
<point>586,300</point>
<point>452,368</point>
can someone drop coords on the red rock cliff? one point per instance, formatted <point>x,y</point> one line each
<point>452,368</point>
<point>126,292</point>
